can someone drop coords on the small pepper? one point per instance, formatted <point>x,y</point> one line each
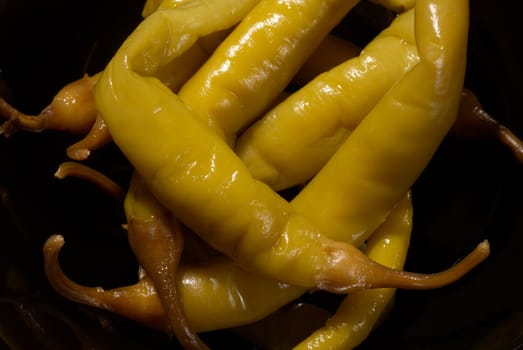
<point>216,294</point>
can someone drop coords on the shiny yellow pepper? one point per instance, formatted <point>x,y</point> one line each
<point>242,77</point>
<point>359,312</point>
<point>211,191</point>
<point>206,109</point>
<point>290,292</point>
<point>291,143</point>
<point>157,243</point>
<point>392,145</point>
<point>217,294</point>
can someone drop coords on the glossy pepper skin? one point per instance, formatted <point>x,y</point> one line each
<point>359,312</point>
<point>212,192</point>
<point>405,127</point>
<point>216,294</point>
<point>241,78</point>
<point>290,143</point>
<point>157,242</point>
<point>265,69</point>
<point>290,293</point>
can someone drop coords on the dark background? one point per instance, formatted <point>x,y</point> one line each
<point>472,190</point>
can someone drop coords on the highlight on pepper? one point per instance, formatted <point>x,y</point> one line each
<point>219,106</point>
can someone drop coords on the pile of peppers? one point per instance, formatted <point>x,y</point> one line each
<point>222,107</point>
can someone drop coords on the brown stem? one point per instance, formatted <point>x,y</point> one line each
<point>349,269</point>
<point>97,137</point>
<point>474,122</point>
<point>72,109</point>
<point>16,119</point>
<point>82,171</point>
<point>511,141</point>
<point>138,302</point>
<point>158,244</point>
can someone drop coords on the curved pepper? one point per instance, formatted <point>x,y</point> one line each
<point>405,127</point>
<point>359,312</point>
<point>233,299</point>
<point>157,243</point>
<point>72,109</point>
<point>217,294</point>
<point>290,295</point>
<point>293,141</point>
<point>211,191</point>
<point>240,79</point>
<point>290,143</point>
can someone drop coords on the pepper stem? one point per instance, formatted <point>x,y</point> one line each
<point>138,302</point>
<point>349,270</point>
<point>82,171</point>
<point>97,137</point>
<point>72,110</point>
<point>475,122</point>
<point>16,120</point>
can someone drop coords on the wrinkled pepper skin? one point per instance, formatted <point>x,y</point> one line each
<point>216,292</point>
<point>240,79</point>
<point>359,312</point>
<point>156,240</point>
<point>291,143</point>
<point>211,191</point>
<point>404,128</point>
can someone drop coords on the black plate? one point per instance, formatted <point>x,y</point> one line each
<point>471,190</point>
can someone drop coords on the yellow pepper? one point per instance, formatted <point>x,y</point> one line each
<point>294,140</point>
<point>151,235</point>
<point>360,311</point>
<point>216,294</point>
<point>292,294</point>
<point>241,78</point>
<point>390,148</point>
<point>294,229</point>
<point>157,243</point>
<point>212,192</point>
